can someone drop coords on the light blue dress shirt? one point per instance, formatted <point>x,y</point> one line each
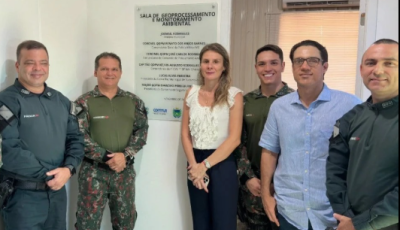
<point>301,136</point>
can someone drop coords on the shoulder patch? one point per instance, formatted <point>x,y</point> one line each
<point>336,130</point>
<point>6,116</point>
<point>6,113</point>
<point>75,109</point>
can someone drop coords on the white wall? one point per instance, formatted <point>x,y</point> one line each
<point>381,21</point>
<point>62,27</point>
<point>161,195</point>
<point>75,32</point>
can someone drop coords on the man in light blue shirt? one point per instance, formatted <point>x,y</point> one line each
<point>297,133</point>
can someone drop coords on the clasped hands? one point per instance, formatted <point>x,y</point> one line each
<point>117,162</point>
<point>196,173</point>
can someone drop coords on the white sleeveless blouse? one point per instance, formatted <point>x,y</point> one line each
<point>209,128</point>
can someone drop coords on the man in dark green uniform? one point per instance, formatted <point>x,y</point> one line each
<point>269,67</point>
<point>114,123</point>
<point>42,145</point>
<point>362,167</point>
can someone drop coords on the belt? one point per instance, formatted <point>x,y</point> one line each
<point>30,185</point>
<point>96,163</point>
<point>22,184</point>
<point>27,185</point>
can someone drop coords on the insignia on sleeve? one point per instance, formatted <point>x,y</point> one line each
<point>6,116</point>
<point>75,109</point>
<point>6,113</point>
<point>336,129</point>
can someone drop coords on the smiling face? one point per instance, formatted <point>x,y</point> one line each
<point>380,71</point>
<point>33,69</point>
<point>305,75</point>
<point>212,65</point>
<point>269,68</point>
<point>108,73</point>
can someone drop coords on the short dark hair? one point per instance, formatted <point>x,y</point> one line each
<point>385,41</point>
<point>270,47</point>
<point>322,50</point>
<point>106,55</point>
<point>30,45</point>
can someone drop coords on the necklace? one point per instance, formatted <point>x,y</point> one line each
<point>207,97</point>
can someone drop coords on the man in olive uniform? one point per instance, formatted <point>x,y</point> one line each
<point>269,67</point>
<point>42,145</point>
<point>114,123</point>
<point>362,168</point>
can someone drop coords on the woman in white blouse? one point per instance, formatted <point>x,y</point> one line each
<point>211,129</point>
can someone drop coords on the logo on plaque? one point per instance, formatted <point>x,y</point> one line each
<point>177,113</point>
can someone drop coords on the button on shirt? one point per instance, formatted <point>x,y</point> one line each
<point>301,136</point>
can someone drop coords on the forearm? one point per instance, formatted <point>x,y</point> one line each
<point>188,148</point>
<point>93,150</point>
<point>136,143</point>
<point>23,163</point>
<point>245,171</point>
<point>224,150</point>
<point>140,129</point>
<point>268,167</point>
<point>383,214</point>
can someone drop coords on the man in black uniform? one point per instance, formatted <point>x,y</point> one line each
<point>42,145</point>
<point>362,167</point>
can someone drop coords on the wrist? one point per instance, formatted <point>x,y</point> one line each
<point>206,164</point>
<point>203,165</point>
<point>71,169</point>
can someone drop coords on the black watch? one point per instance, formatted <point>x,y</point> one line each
<point>71,169</point>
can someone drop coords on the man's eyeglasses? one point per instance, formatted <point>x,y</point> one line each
<point>311,61</point>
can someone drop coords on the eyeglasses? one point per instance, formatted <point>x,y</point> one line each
<point>311,61</point>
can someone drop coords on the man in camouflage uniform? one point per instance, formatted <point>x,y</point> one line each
<point>269,66</point>
<point>114,123</point>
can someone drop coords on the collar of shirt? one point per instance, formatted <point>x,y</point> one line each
<point>97,93</point>
<point>47,92</point>
<point>382,105</point>
<point>283,91</point>
<point>325,95</point>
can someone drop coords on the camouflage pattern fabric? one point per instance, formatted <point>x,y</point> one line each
<point>250,208</point>
<point>139,133</point>
<point>96,186</point>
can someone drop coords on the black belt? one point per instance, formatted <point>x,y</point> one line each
<point>27,185</point>
<point>96,163</point>
<point>30,185</point>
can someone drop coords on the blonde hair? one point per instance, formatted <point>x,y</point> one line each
<point>224,83</point>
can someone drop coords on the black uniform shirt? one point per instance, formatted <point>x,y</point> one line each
<point>363,168</point>
<point>44,135</point>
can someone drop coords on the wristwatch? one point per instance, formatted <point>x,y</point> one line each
<point>71,169</point>
<point>207,164</point>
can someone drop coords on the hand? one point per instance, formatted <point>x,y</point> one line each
<point>197,171</point>
<point>254,186</point>
<point>345,223</point>
<point>61,176</point>
<point>269,204</point>
<point>200,184</point>
<point>117,162</point>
